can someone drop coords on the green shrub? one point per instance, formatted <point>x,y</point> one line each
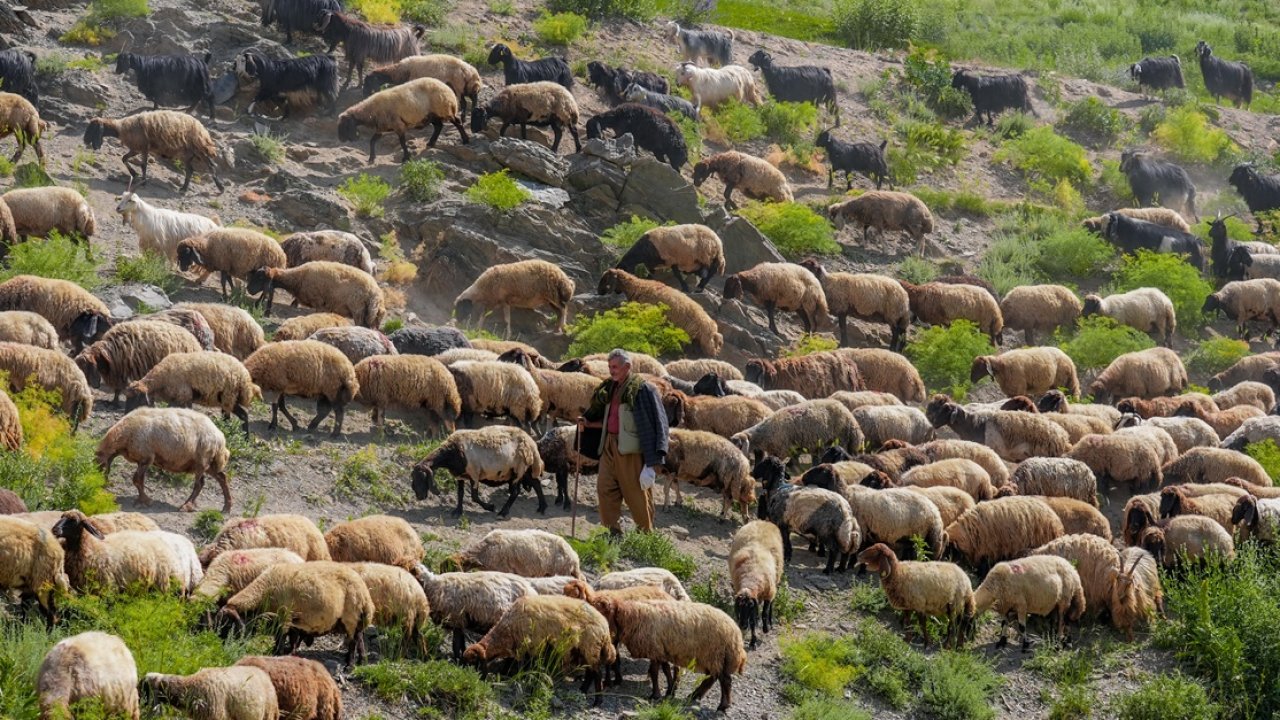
<point>268,146</point>
<point>54,470</point>
<point>691,132</point>
<point>365,476</point>
<point>599,553</point>
<point>1172,275</point>
<point>1013,125</point>
<point>638,327</point>
<point>1010,262</point>
<point>421,180</point>
<point>916,270</point>
<point>638,10</point>
<point>1043,155</point>
<point>736,122</point>
<point>943,355</point>
<point>559,29</point>
<point>1099,340</point>
<point>1166,697</point>
<point>148,268</point>
<point>654,549</point>
<point>625,234</point>
<point>1116,182</point>
<point>1072,252</point>
<point>795,229</point>
<point>927,146</point>
<point>823,708</point>
<point>788,123</point>
<point>1092,119</point>
<point>57,257</point>
<point>1215,355</point>
<point>207,525</point>
<point>965,202</point>
<point>807,345</point>
<point>440,688</point>
<point>1267,453</point>
<point>425,12</point>
<point>930,75</point>
<point>498,190</point>
<point>383,12</point>
<point>366,192</point>
<point>959,686</point>
<point>876,24</point>
<point>1186,133</point>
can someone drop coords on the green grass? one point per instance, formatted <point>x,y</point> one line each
<point>207,525</point>
<point>596,552</point>
<point>1091,120</point>
<point>366,193</point>
<point>795,229</point>
<point>638,327</point>
<point>54,469</point>
<point>638,10</point>
<point>626,233</point>
<point>808,344</point>
<point>57,257</point>
<point>1215,355</point>
<point>876,24</point>
<point>926,147</point>
<point>1044,156</point>
<point>824,708</point>
<point>426,12</point>
<point>365,476</point>
<point>654,549</point>
<point>665,710</point>
<point>148,268</point>
<point>1267,453</point>
<point>1167,697</point>
<point>421,180</point>
<point>269,147</point>
<point>91,28</point>
<point>499,191</point>
<point>560,29</point>
<point>439,688</point>
<point>943,355</point>
<point>916,270</point>
<point>1099,340</point>
<point>960,202</point>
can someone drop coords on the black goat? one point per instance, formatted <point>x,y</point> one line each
<point>362,42</point>
<point>993,93</point>
<point>1223,251</point>
<point>293,15</point>
<point>1130,236</point>
<point>652,131</point>
<point>613,81</point>
<point>1223,78</point>
<point>170,79</point>
<point>1155,182</point>
<point>863,157</point>
<point>518,72</point>
<point>800,83</point>
<point>1158,73</point>
<point>292,81</point>
<point>636,93</point>
<point>1260,192</point>
<point>18,74</point>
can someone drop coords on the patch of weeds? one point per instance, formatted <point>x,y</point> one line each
<point>876,24</point>
<point>1069,252</point>
<point>597,552</point>
<point>57,257</point>
<point>825,708</point>
<point>425,12</point>
<point>1043,155</point>
<point>399,270</point>
<point>1013,125</point>
<point>1167,697</point>
<point>807,345</point>
<point>504,8</point>
<point>653,549</point>
<point>1116,182</point>
<point>366,192</point>
<point>1267,453</point>
<point>1010,262</point>
<point>735,122</point>
<point>665,710</point>
<point>1174,276</point>
<point>943,355</point>
<point>149,268</point>
<point>868,598</point>
<point>638,327</point>
<point>712,591</point>
<point>440,688</point>
<point>926,147</point>
<point>626,233</point>
<point>788,605</point>
<point>207,524</point>
<point>54,469</point>
<point>378,12</point>
<point>820,662</point>
<point>691,132</point>
<point>1092,120</point>
<point>916,270</point>
<point>964,202</point>
<point>364,475</point>
<point>959,686</point>
<point>929,74</point>
<point>637,10</point>
<point>788,123</point>
<point>1099,340</point>
<point>6,167</point>
<point>392,325</point>
<point>248,454</point>
<point>89,30</point>
<point>498,190</point>
<point>1074,702</point>
<point>1215,355</point>
<point>560,29</point>
<point>83,159</point>
<point>421,180</point>
<point>1187,134</point>
<point>269,147</point>
<point>795,229</point>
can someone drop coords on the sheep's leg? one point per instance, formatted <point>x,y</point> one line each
<point>786,541</point>
<point>146,160</point>
<point>351,68</point>
<point>196,487</point>
<point>673,678</point>
<point>653,680</point>
<point>127,166</point>
<point>139,482</point>
<point>524,133</point>
<point>502,131</point>
<point>475,495</point>
<point>728,196</point>
<point>773,325</point>
<point>438,126</point>
<point>458,510</point>
<point>558,134</point>
<point>322,411</point>
<point>832,551</point>
<point>704,277</point>
<point>537,490</point>
<point>1004,626</point>
<point>702,689</point>
<point>506,316</point>
<point>373,143</point>
<point>831,176</point>
<point>924,628</point>
<point>684,285</point>
<point>577,142</point>
<point>844,334</point>
<point>339,414</point>
<point>766,623</point>
<point>404,147</point>
<point>188,167</point>
<point>293,422</point>
<point>511,498</point>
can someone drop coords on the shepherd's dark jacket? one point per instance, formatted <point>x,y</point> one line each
<point>641,430</point>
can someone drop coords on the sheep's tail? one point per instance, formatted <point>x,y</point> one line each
<point>85,222</point>
<point>847,534</point>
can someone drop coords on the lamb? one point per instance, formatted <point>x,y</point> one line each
<point>528,553</point>
<point>40,210</point>
<point>458,74</point>
<point>1145,373</point>
<point>410,382</point>
<point>148,558</point>
<point>807,427</point>
<point>993,93</point>
<point>713,46</point>
<point>362,41</point>
<point>652,131</point>
<point>1257,394</point>
<point>681,311</point>
<point>1160,73</point>
<point>937,303</point>
<point>422,340</point>
<point>1056,477</point>
<point>1037,585</point>
<point>234,693</point>
<point>31,561</point>
<point>332,245</point>
<point>19,118</point>
<point>1002,529</point>
<point>757,179</point>
<point>304,688</point>
<point>208,378</point>
<point>414,104</point>
<point>232,571</point>
<point>235,332</point>
<point>1223,78</point>
<point>304,368</point>
<point>294,82</point>
<point>51,370</point>
<point>865,296</point>
<point>231,252</point>
<point>781,286</point>
<point>529,284</point>
<point>76,315</point>
<point>322,597</point>
<point>495,389</point>
<point>473,601</point>
<point>160,230</point>
<point>170,79</point>
<point>174,440</point>
<point>536,624</point>
<point>325,286</point>
<point>1120,458</point>
<point>540,104</point>
<point>613,82</point>
<point>822,515</point>
<point>524,72</point>
<point>1039,308</point>
<point>1015,436</point>
<point>925,589</point>
<point>1155,215</point>
<point>708,460</point>
<point>88,666</point>
<point>376,539</point>
<point>289,532</point>
<point>755,570</point>
<point>1223,422</point>
<point>1032,371</point>
<point>1131,236</point>
<point>673,636</point>
<point>1146,309</point>
<point>815,376</point>
<point>128,351</point>
<point>164,133</point>
<point>1187,538</point>
<point>1153,180</point>
<point>800,83</point>
<point>18,74</point>
<point>1246,300</point>
<point>293,15</point>
<point>493,456</point>
<point>661,102</point>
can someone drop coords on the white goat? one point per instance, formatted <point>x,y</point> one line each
<point>160,230</point>
<point>712,86</point>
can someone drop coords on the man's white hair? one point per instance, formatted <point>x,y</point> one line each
<point>620,355</point>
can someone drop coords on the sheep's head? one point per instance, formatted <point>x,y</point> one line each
<point>732,288</point>
<point>188,256</point>
<point>1214,302</point>
<point>94,134</point>
<point>745,609</point>
<point>423,481</point>
<point>878,558</point>
<point>982,367</point>
<point>373,82</point>
<point>90,326</point>
<point>1152,540</point>
<point>94,365</point>
<point>1242,174</point>
<point>594,128</point>
<point>72,525</point>
<point>599,74</point>
<point>1237,261</point>
<point>959,78</point>
<point>1130,405</point>
<point>1092,305</point>
<point>670,30</point>
<point>1099,392</point>
<point>1052,401</point>
<point>770,471</point>
<point>701,172</point>
<point>1008,489</point>
<point>834,454</point>
<point>479,119</point>
<point>673,404</point>
<point>1171,501</point>
<point>877,480</point>
<point>348,128</point>
<point>1186,409</point>
<point>820,476</point>
<point>1093,224</point>
<point>760,59</point>
<point>499,54</point>
<point>1271,377</point>
<point>227,620</point>
<point>814,267</point>
<point>633,92</point>
<point>1128,159</point>
<point>610,282</point>
<point>1135,71</point>
<point>759,371</point>
<point>711,384</point>
<point>1245,511</point>
<point>260,280</point>
<point>326,19</point>
<point>940,410</point>
<point>1020,403</point>
<point>136,396</point>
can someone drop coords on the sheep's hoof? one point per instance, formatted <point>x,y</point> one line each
<point>143,500</point>
<point>455,513</point>
<point>189,507</point>
<point>502,515</point>
<point>488,506</point>
<point>1002,642</point>
<point>542,509</point>
<point>1026,646</point>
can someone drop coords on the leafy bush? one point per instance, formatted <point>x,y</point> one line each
<point>1215,355</point>
<point>691,132</point>
<point>1093,119</point>
<point>788,122</point>
<point>625,234</point>
<point>1267,453</point>
<point>1186,133</point>
<point>638,327</point>
<point>498,190</point>
<point>1013,125</point>
<point>598,552</point>
<point>1166,697</point>
<point>1116,182</point>
<point>1010,262</point>
<point>736,122</point>
<point>425,12</point>
<point>807,345</point>
<point>440,688</point>
<point>1171,274</point>
<point>967,202</point>
<point>1072,252</point>
<point>876,24</point>
<point>823,708</point>
<point>57,257</point>
<point>148,268</point>
<point>54,470</point>
<point>421,180</point>
<point>88,30</point>
<point>638,10</point>
<point>560,28</point>
<point>1041,154</point>
<point>959,686</point>
<point>795,229</point>
<point>654,549</point>
<point>930,75</point>
<point>1099,340</point>
<point>926,146</point>
<point>385,12</point>
<point>270,147</point>
<point>916,270</point>
<point>943,355</point>
<point>366,192</point>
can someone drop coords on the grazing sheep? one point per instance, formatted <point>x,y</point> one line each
<point>815,376</point>
<point>1135,592</point>
<point>88,666</point>
<point>864,296</point>
<point>1160,73</point>
<point>172,439</point>
<point>1257,517</point>
<point>708,460</point>
<point>232,571</point>
<point>822,515</point>
<point>541,104</point>
<point>1131,236</point>
<point>362,41</point>
<point>1223,78</point>
<point>1056,477</point>
<point>235,332</point>
<point>170,79</point>
<point>1001,529</point>
<point>1223,422</point>
<point>417,103</point>
<point>661,102</point>
<point>1038,585</point>
<point>163,133</point>
<point>357,343</point>
<point>212,379</point>
<point>1039,308</point>
<point>993,93</point>
<point>526,72</point>
<point>114,562</point>
<point>1201,500</point>
<point>290,532</point>
<point>1187,538</point>
<point>807,427</point>
<point>1145,373</point>
<point>410,382</point>
<point>160,230</point>
<point>215,693</point>
<point>1187,433</point>
<point>32,562</point>
<point>1031,371</point>
<point>28,328</point>
<point>128,351</point>
<point>755,570</point>
<point>19,117</point>
<point>376,539</point>
<point>1120,458</point>
<point>887,372</point>
<point>493,456</point>
<point>1164,406</point>
<point>556,448</point>
<point>294,82</point>
<point>613,82</point>
<point>1015,436</point>
<point>304,688</point>
<point>293,15</point>
<point>936,303</point>
<point>757,179</point>
<point>925,589</point>
<point>781,286</point>
<point>954,472</point>
<point>1252,367</point>
<point>652,131</point>
<point>528,553</point>
<point>304,368</point>
<point>1153,180</point>
<point>304,326</point>
<point>11,503</point>
<point>714,46</point>
<point>724,416</point>
<point>50,370</point>
<point>882,423</point>
<point>893,516</point>
<point>885,210</point>
<point>681,311</point>
<point>474,601</point>
<point>398,600</point>
<point>799,83</point>
<point>1248,300</point>
<point>1146,309</point>
<point>495,389</point>
<point>691,248</point>
<point>1257,394</point>
<point>74,313</point>
<point>331,245</point>
<point>529,284</point>
<point>230,252</point>
<point>458,74</point>
<point>39,211</point>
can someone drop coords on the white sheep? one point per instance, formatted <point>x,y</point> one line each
<point>159,229</point>
<point>1039,308</point>
<point>88,666</point>
<point>40,210</point>
<point>376,538</point>
<point>1146,309</point>
<point>121,559</point>
<point>174,440</point>
<point>216,693</point>
<point>529,553</point>
<point>28,328</point>
<point>291,532</point>
<point>470,601</point>
<point>530,284</point>
<point>1037,585</point>
<point>660,577</point>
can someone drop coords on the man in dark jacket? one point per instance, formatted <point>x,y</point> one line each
<point>632,446</point>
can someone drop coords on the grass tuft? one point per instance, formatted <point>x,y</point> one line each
<point>366,192</point>
<point>57,257</point>
<point>499,191</point>
<point>795,229</point>
<point>148,268</point>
